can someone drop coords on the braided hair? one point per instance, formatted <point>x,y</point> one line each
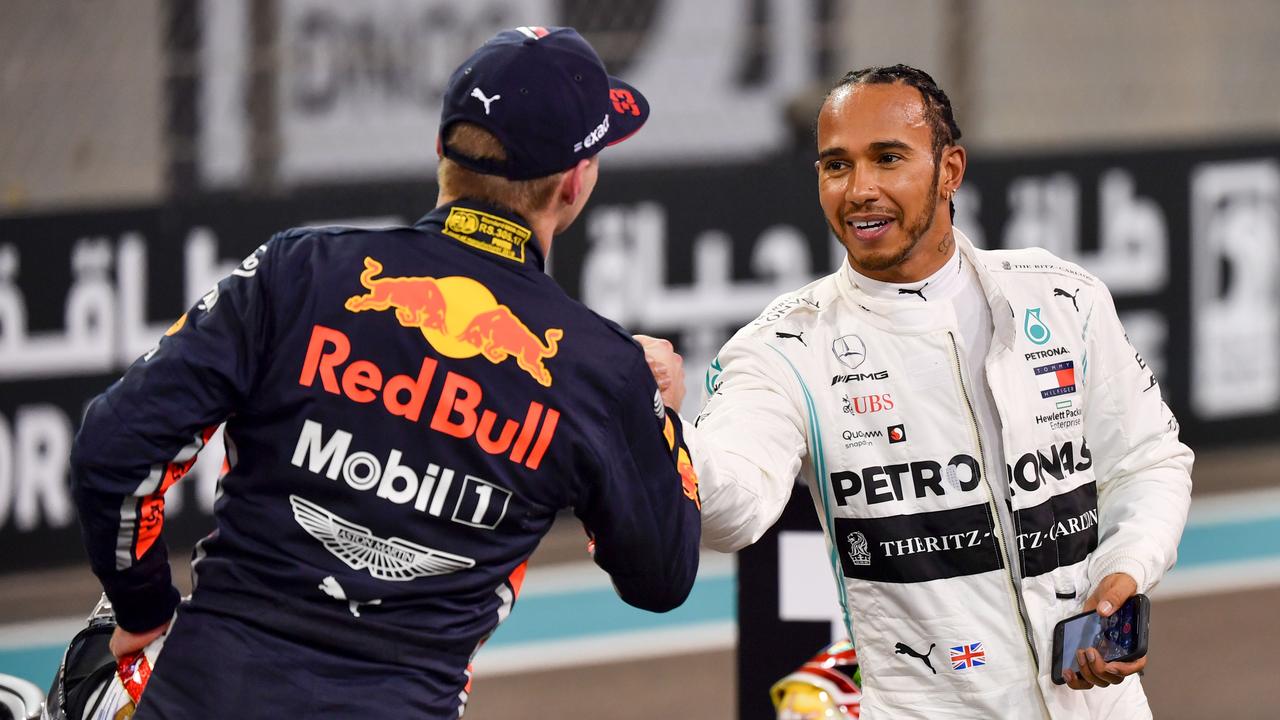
<point>937,106</point>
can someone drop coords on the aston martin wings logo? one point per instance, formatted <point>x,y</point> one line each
<point>391,559</point>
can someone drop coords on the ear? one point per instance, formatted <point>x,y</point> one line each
<point>572,183</point>
<point>951,173</point>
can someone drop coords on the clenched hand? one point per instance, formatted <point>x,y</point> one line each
<point>667,367</point>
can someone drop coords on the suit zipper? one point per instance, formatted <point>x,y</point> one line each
<point>997,526</point>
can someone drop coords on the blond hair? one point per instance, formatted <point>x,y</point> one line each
<point>523,196</point>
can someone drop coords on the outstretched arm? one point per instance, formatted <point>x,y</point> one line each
<point>748,443</point>
<point>642,510</point>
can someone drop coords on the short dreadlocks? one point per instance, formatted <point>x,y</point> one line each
<point>937,106</point>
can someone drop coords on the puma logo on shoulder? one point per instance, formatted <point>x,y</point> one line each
<point>793,336</point>
<point>1059,292</point>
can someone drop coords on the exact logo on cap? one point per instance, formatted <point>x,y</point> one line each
<point>545,94</point>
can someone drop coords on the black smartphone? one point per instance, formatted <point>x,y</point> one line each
<point>1121,637</point>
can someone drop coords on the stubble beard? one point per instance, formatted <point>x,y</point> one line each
<point>916,230</point>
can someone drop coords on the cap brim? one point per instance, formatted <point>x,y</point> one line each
<point>628,113</point>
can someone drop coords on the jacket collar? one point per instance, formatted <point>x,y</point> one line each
<point>1002,316</point>
<point>913,317</point>
<point>496,231</point>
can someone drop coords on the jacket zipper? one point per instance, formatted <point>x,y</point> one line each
<point>997,526</point>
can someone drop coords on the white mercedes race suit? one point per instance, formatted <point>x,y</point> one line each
<point>950,591</point>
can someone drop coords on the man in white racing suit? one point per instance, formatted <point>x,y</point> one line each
<point>986,451</point>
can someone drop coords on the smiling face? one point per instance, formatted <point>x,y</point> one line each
<point>883,194</point>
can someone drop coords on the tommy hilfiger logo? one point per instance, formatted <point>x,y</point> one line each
<point>1056,379</point>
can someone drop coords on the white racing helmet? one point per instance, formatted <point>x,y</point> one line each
<point>19,699</point>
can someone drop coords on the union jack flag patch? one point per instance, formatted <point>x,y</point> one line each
<point>964,657</point>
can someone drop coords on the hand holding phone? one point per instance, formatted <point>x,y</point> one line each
<point>1122,637</point>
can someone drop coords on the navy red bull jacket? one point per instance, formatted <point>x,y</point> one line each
<point>406,411</point>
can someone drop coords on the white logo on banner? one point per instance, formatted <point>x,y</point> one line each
<point>360,83</point>
<point>624,278</point>
<point>1235,288</point>
<point>33,468</point>
<point>1133,251</point>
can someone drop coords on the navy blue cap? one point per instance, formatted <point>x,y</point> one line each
<point>544,93</point>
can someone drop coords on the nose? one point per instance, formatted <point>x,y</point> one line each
<point>863,187</point>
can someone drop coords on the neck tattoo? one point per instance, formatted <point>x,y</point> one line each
<point>945,245</point>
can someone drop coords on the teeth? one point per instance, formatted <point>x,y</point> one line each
<point>871,225</point>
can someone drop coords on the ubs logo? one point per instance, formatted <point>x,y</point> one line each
<point>850,350</point>
<point>867,404</point>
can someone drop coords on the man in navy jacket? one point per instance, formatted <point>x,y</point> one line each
<point>406,410</point>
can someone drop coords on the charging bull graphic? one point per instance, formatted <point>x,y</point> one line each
<point>417,300</point>
<point>500,334</point>
<point>459,317</point>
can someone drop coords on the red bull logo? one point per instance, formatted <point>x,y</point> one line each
<point>456,408</point>
<point>499,334</point>
<point>417,300</point>
<point>459,317</point>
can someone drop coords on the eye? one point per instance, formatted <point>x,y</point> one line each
<point>890,158</point>
<point>834,165</point>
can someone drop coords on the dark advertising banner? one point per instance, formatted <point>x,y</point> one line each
<point>1188,241</point>
<point>787,605</point>
<point>82,296</point>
